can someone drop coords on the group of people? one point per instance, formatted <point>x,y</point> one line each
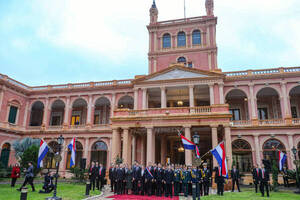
<point>155,179</point>
<point>97,174</point>
<point>261,178</point>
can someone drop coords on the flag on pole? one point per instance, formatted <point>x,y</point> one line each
<point>197,151</point>
<point>42,153</point>
<point>219,154</point>
<point>72,147</point>
<point>282,159</point>
<point>187,144</point>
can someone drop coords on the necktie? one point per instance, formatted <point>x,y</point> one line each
<point>263,173</point>
<point>100,171</point>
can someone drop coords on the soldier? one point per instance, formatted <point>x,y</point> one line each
<point>111,177</point>
<point>92,175</point>
<point>264,178</point>
<point>255,175</point>
<point>168,179</point>
<point>235,176</point>
<point>285,177</point>
<point>148,180</point>
<point>177,181</point>
<point>206,179</point>
<point>196,178</point>
<point>159,177</point>
<point>220,180</point>
<point>186,179</point>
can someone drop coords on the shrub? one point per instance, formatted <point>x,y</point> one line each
<point>78,174</point>
<point>30,155</point>
<point>275,176</point>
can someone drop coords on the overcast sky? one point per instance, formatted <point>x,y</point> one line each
<point>60,41</point>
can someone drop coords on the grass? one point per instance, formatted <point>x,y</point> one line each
<point>68,191</point>
<point>249,194</point>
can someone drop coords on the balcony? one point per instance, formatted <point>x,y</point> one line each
<point>268,122</point>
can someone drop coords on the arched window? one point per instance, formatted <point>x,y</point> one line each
<point>181,39</point>
<point>37,111</point>
<point>78,155</point>
<point>294,101</point>
<point>79,112</point>
<point>268,104</point>
<point>166,40</point>
<point>49,162</point>
<point>126,102</point>
<point>270,152</point>
<point>99,152</point>
<point>181,60</point>
<point>4,158</point>
<point>102,111</point>
<point>238,104</point>
<point>242,155</point>
<point>196,37</point>
<point>57,113</point>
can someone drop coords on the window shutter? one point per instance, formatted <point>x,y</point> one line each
<point>12,114</point>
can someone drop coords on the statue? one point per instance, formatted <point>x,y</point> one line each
<point>209,5</point>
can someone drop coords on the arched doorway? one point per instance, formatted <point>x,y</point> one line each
<point>49,162</point>
<point>238,105</point>
<point>242,155</point>
<point>57,113</point>
<point>126,102</point>
<point>4,158</point>
<point>295,102</point>
<point>37,112</point>
<point>268,104</point>
<point>78,155</point>
<point>102,111</point>
<point>270,152</point>
<point>99,152</point>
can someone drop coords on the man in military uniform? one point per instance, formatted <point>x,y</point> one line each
<point>220,180</point>
<point>255,176</point>
<point>168,179</point>
<point>186,179</point>
<point>264,178</point>
<point>206,179</point>
<point>196,178</point>
<point>235,176</point>
<point>177,181</point>
<point>159,177</point>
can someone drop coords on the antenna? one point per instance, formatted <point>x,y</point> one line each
<point>184,9</point>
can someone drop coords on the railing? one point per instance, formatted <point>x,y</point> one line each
<point>202,109</point>
<point>79,126</point>
<point>241,123</point>
<point>55,127</point>
<point>271,122</point>
<point>181,20</point>
<point>262,72</point>
<point>296,121</point>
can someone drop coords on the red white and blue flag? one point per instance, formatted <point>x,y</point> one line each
<point>187,144</point>
<point>72,147</point>
<point>42,153</point>
<point>197,152</point>
<point>219,154</point>
<point>282,159</point>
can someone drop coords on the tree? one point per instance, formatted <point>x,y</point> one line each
<point>30,155</point>
<point>21,145</point>
<point>275,176</point>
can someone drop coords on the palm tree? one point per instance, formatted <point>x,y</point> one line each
<point>21,145</point>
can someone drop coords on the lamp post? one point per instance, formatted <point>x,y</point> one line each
<point>296,162</point>
<point>196,140</point>
<point>57,158</point>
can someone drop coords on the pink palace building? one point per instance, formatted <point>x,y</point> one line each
<point>138,119</point>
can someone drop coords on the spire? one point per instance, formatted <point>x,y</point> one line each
<point>153,13</point>
<point>209,5</point>
<point>153,4</point>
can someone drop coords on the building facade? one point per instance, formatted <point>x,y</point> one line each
<point>139,119</point>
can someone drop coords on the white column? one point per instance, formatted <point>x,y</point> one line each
<point>291,144</point>
<point>26,113</point>
<point>253,101</point>
<point>67,112</point>
<point>221,94</point>
<point>89,113</point>
<point>228,146</point>
<point>191,95</point>
<point>149,145</point>
<point>188,153</point>
<point>133,148</point>
<point>113,106</point>
<point>144,98</point>
<point>136,96</point>
<point>257,150</point>
<point>214,138</point>
<point>211,94</point>
<point>163,97</point>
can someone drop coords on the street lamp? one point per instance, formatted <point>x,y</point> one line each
<point>57,158</point>
<point>196,138</point>
<point>296,162</point>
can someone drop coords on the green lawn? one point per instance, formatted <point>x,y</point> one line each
<point>249,194</point>
<point>67,191</point>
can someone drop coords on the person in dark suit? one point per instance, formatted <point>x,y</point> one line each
<point>102,172</point>
<point>148,180</point>
<point>168,179</point>
<point>111,177</point>
<point>206,179</point>
<point>264,178</point>
<point>285,177</point>
<point>141,181</point>
<point>220,180</point>
<point>153,171</point>
<point>159,178</point>
<point>120,180</point>
<point>92,175</point>
<point>97,179</point>
<point>235,176</point>
<point>114,174</point>
<point>29,175</point>
<point>135,172</point>
<point>255,176</point>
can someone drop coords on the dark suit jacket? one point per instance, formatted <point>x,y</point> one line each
<point>235,175</point>
<point>264,175</point>
<point>255,174</point>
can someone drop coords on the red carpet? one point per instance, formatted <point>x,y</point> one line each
<point>140,197</point>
